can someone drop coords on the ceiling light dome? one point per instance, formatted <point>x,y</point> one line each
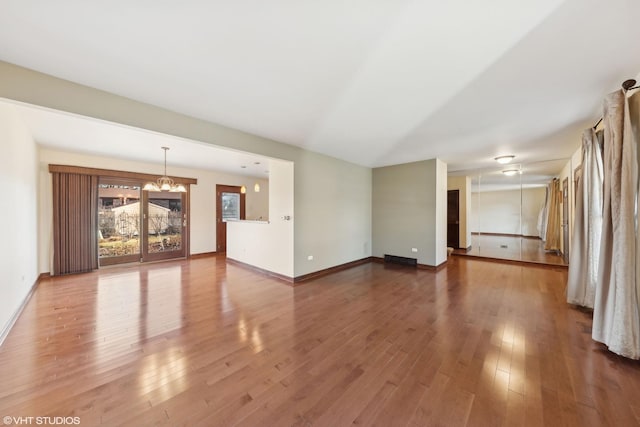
<point>503,160</point>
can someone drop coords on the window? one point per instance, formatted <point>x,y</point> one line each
<point>230,206</point>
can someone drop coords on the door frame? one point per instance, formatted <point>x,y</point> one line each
<point>122,259</point>
<point>131,178</point>
<point>145,255</point>
<point>457,224</point>
<point>577,176</point>
<point>221,226</point>
<point>565,220</point>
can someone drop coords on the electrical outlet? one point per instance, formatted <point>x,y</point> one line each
<point>414,249</point>
<point>310,258</point>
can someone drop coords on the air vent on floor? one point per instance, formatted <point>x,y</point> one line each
<point>394,259</point>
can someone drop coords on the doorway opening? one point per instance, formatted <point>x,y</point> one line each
<point>139,226</point>
<point>453,219</point>
<point>565,220</point>
<point>230,206</point>
<point>119,226</point>
<point>164,223</point>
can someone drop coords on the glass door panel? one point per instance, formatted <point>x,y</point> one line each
<point>165,222</point>
<point>118,222</point>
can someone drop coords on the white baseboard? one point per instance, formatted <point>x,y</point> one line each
<point>5,332</point>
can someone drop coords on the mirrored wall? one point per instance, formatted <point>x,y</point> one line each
<point>520,216</point>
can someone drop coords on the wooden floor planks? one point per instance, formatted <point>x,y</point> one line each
<point>205,343</point>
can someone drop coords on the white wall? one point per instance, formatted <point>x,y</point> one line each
<point>440,244</point>
<point>409,211</point>
<point>463,185</point>
<point>18,214</point>
<point>256,204</point>
<point>498,211</point>
<point>203,196</point>
<point>332,212</point>
<point>321,183</point>
<point>508,211</point>
<point>268,245</point>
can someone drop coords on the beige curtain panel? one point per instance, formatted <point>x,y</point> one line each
<point>587,225</point>
<point>543,217</point>
<point>616,318</point>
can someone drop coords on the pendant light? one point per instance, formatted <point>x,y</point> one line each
<point>164,183</point>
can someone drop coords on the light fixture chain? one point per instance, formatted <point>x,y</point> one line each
<point>164,183</point>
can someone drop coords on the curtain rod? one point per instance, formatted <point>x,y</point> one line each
<point>597,123</point>
<point>626,86</point>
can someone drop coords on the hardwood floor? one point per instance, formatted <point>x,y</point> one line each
<point>514,248</point>
<point>204,343</point>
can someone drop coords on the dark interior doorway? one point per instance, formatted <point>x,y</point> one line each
<point>453,219</point>
<point>565,220</point>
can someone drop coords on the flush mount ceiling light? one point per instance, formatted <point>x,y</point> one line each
<point>510,172</point>
<point>503,160</point>
<point>164,183</point>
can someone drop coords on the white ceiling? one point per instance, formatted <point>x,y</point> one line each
<point>375,82</point>
<point>70,132</point>
<point>532,175</point>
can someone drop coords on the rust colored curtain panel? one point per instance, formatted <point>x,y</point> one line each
<point>75,212</point>
<point>552,240</point>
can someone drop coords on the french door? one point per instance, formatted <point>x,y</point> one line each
<point>119,229</point>
<point>139,226</point>
<point>164,224</point>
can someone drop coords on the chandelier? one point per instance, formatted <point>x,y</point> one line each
<point>164,183</point>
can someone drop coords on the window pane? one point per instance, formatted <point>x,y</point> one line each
<point>230,206</point>
<point>165,222</point>
<point>118,220</point>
